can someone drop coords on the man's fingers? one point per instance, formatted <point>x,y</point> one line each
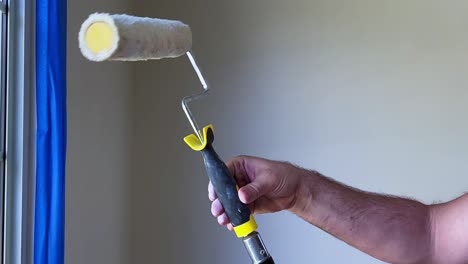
<point>211,192</point>
<point>246,194</point>
<point>237,168</point>
<point>216,208</point>
<point>252,191</point>
<point>223,219</point>
<point>229,227</point>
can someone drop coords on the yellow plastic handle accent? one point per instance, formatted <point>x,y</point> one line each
<point>194,143</point>
<point>246,228</point>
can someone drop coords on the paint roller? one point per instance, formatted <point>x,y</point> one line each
<point>127,38</point>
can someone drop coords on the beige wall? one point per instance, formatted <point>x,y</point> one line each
<point>372,93</point>
<point>98,167</point>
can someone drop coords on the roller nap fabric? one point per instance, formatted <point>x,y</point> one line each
<point>128,38</point>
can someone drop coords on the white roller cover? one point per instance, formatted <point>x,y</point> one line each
<point>134,38</point>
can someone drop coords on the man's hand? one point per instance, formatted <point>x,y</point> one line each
<point>266,186</point>
<point>393,229</point>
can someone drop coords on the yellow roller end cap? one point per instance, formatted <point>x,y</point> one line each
<point>99,37</point>
<point>246,228</point>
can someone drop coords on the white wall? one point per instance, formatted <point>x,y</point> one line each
<point>372,93</point>
<point>98,166</point>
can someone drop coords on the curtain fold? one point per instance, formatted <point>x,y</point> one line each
<point>51,22</point>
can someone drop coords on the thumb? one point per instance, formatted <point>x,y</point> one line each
<point>254,190</point>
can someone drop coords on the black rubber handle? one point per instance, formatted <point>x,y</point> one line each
<point>268,261</point>
<point>224,184</point>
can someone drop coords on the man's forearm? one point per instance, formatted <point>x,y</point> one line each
<point>392,229</point>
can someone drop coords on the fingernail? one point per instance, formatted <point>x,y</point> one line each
<point>244,195</point>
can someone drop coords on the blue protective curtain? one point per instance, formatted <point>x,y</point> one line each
<point>51,132</point>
